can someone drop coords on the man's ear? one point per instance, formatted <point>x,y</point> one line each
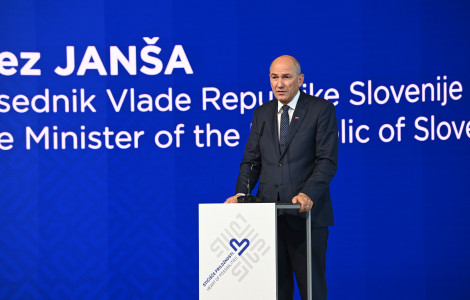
<point>301,80</point>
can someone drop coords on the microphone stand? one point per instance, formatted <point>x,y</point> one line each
<point>249,198</point>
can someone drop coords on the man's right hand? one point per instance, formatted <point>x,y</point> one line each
<point>232,199</point>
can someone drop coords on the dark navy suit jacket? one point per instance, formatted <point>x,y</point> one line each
<point>308,163</point>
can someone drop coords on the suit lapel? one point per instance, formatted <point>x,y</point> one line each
<point>275,126</point>
<point>297,118</point>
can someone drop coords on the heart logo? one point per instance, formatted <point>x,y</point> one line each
<point>236,245</point>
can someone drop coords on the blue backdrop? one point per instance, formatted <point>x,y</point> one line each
<point>113,218</point>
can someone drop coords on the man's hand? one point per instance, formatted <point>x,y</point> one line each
<point>306,203</point>
<point>232,199</point>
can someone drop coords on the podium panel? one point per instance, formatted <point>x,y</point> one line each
<point>237,251</point>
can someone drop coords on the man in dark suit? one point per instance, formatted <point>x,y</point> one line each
<point>295,162</point>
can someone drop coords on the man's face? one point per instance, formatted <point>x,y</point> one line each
<point>285,81</point>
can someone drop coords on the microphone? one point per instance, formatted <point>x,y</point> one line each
<point>248,198</point>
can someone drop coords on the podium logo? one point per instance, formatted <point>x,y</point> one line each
<point>236,245</point>
<point>240,236</point>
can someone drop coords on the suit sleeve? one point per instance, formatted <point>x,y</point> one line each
<point>326,156</point>
<point>252,155</point>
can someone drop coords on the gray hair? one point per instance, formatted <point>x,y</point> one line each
<point>296,65</point>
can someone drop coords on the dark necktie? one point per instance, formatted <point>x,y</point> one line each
<point>284,129</point>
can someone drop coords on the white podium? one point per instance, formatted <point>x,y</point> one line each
<point>237,250</point>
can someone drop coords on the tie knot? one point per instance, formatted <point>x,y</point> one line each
<point>285,107</point>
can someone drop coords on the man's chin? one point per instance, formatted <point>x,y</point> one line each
<point>283,100</point>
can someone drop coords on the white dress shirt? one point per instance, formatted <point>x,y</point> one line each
<point>292,106</point>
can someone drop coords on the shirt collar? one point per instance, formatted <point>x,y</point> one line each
<point>291,104</point>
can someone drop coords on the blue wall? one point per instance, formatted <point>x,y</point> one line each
<point>122,223</point>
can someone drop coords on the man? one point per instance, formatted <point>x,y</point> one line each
<point>295,162</point>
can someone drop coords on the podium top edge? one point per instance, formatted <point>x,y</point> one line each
<point>287,206</point>
<point>277,205</point>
